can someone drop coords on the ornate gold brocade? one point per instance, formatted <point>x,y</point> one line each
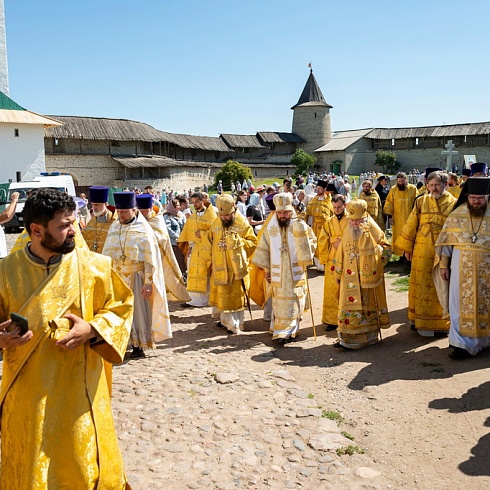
<point>57,426</point>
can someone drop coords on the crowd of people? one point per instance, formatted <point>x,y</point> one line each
<point>88,292</point>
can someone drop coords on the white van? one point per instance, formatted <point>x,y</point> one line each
<point>55,180</point>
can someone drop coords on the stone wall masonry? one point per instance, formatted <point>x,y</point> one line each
<point>86,170</point>
<point>360,157</point>
<point>312,123</point>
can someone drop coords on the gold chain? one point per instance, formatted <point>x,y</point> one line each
<point>123,247</point>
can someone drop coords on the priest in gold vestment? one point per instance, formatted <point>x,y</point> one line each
<point>57,426</point>
<point>226,249</point>
<point>328,244</point>
<point>463,264</point>
<point>398,206</point>
<point>454,187</point>
<point>359,263</point>
<point>133,247</point>
<point>190,241</point>
<point>285,249</point>
<point>374,206</point>
<point>174,281</point>
<point>318,210</point>
<point>95,232</point>
<point>417,240</point>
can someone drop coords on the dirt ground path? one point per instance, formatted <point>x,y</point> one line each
<point>421,417</point>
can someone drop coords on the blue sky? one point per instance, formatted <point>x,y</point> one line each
<point>206,67</point>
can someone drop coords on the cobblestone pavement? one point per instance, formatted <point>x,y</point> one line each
<point>210,410</point>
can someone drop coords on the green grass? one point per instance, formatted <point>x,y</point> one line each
<point>400,285</point>
<point>350,450</point>
<point>347,435</point>
<point>333,415</point>
<point>311,396</point>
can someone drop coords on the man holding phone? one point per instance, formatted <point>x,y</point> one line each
<point>57,427</point>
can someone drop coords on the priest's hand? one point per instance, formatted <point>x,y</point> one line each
<point>80,333</point>
<point>12,339</point>
<point>146,291</point>
<point>408,256</point>
<point>444,274</point>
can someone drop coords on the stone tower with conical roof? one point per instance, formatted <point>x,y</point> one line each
<point>4,78</point>
<point>311,116</point>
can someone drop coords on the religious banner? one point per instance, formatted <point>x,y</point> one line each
<point>469,160</point>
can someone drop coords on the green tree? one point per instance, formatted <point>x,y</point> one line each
<point>387,159</point>
<point>303,161</point>
<point>230,172</point>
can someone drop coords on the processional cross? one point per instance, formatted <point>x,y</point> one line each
<point>449,151</point>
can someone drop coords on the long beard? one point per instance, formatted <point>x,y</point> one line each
<point>477,212</point>
<point>357,231</point>
<point>368,193</point>
<point>401,187</point>
<point>284,222</point>
<point>227,223</point>
<point>97,214</point>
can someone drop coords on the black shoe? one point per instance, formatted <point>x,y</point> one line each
<point>187,305</point>
<point>220,325</point>
<point>282,341</point>
<point>330,327</point>
<point>412,327</point>
<point>458,353</point>
<point>231,332</point>
<point>137,353</point>
<point>338,345</point>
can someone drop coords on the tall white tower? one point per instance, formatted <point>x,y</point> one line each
<point>4,72</point>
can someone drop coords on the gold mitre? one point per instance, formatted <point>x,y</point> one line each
<point>357,209</point>
<point>283,201</point>
<point>225,204</point>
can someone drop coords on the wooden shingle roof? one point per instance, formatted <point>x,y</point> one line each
<point>274,137</point>
<point>195,142</point>
<point>95,128</point>
<point>468,129</point>
<point>311,95</point>
<point>242,141</point>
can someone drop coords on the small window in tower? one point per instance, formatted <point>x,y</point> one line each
<point>416,141</point>
<point>16,133</point>
<point>392,141</point>
<point>315,114</point>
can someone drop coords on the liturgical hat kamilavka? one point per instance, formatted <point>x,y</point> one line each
<point>144,201</point>
<point>124,200</point>
<point>478,186</point>
<point>98,193</point>
<point>466,171</point>
<point>478,167</point>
